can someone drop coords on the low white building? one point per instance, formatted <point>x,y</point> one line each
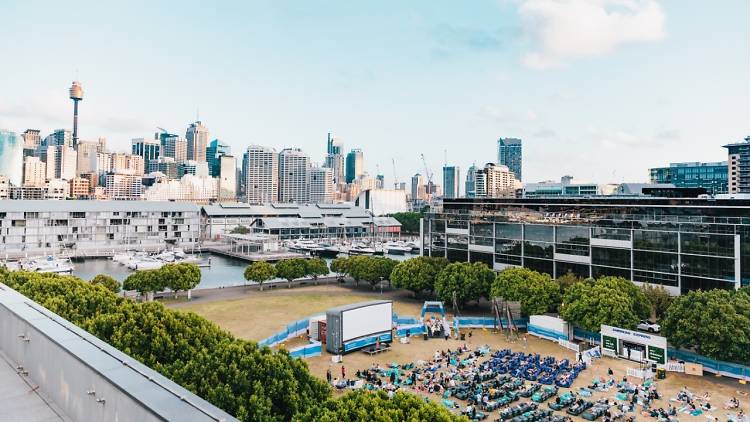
<point>382,201</point>
<point>54,227</point>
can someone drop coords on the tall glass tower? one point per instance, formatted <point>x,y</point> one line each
<point>509,154</point>
<point>11,157</point>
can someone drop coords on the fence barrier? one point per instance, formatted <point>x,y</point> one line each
<point>307,351</point>
<point>543,332</point>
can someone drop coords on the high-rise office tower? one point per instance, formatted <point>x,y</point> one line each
<point>496,181</point>
<point>510,154</point>
<point>173,146</point>
<point>34,172</point>
<point>31,141</point>
<point>58,137</point>
<point>294,176</point>
<point>62,162</point>
<point>86,156</point>
<point>738,166</point>
<point>451,182</point>
<point>216,149</point>
<point>335,159</point>
<point>11,157</point>
<point>260,171</point>
<point>470,188</point>
<point>76,94</point>
<point>418,187</point>
<point>149,149</point>
<point>380,181</point>
<point>227,178</point>
<point>355,165</point>
<point>321,185</point>
<point>197,141</point>
<point>128,164</point>
<point>165,165</point>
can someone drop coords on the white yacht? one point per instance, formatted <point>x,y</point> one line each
<point>397,248</point>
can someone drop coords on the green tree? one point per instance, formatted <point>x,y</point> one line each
<point>537,292</point>
<point>568,279</point>
<point>145,281</point>
<point>178,277</point>
<point>361,269</point>
<point>315,268</point>
<point>715,323</point>
<point>417,274</point>
<point>609,300</point>
<point>409,221</point>
<point>291,269</point>
<point>461,278</point>
<point>110,283</point>
<point>383,268</point>
<point>658,298</point>
<point>260,272</point>
<point>376,406</point>
<point>341,267</point>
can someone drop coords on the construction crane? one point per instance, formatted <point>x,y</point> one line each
<point>426,170</point>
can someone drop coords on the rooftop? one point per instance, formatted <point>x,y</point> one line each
<point>94,206</point>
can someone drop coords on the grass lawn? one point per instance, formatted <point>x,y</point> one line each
<point>257,315</point>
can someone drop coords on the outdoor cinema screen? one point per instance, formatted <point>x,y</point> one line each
<point>367,320</point>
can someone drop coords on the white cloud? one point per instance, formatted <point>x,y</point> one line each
<point>563,30</point>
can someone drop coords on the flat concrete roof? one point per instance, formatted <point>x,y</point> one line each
<point>19,401</point>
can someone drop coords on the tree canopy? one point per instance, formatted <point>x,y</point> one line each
<point>658,298</point>
<point>110,283</point>
<point>260,272</point>
<point>409,221</point>
<point>182,276</point>
<point>316,267</point>
<point>291,269</point>
<point>340,266</point>
<point>468,281</point>
<point>609,300</point>
<point>376,406</point>
<point>418,274</point>
<point>250,382</point>
<point>538,293</point>
<point>715,323</point>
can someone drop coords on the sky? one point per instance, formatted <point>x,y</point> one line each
<point>598,89</point>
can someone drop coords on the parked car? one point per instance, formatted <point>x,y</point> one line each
<point>649,326</point>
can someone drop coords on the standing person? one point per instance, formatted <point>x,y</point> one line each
<point>328,375</point>
<point>470,336</point>
<point>343,371</point>
<point>525,341</point>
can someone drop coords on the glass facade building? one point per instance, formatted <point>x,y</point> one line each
<point>681,244</point>
<point>11,157</point>
<point>510,154</point>
<point>451,182</point>
<point>711,176</point>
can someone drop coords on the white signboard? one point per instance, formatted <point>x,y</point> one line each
<point>367,320</point>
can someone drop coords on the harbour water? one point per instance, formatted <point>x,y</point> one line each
<point>223,272</point>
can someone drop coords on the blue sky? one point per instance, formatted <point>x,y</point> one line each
<point>599,89</point>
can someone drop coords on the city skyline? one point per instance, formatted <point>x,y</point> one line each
<point>379,80</point>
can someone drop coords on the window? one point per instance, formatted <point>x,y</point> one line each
<point>610,257</point>
<point>508,230</point>
<point>599,272</point>
<point>28,215</point>
<point>610,233</point>
<point>539,265</point>
<point>650,277</point>
<point>655,261</point>
<point>538,249</point>
<point>481,257</point>
<point>707,244</point>
<point>655,240</point>
<point>539,233</point>
<point>77,215</point>
<point>579,270</point>
<point>505,246</point>
<point>508,259</point>
<point>713,267</point>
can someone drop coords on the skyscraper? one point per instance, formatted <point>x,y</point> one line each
<point>355,165</point>
<point>321,185</point>
<point>418,187</point>
<point>496,181</point>
<point>470,189</point>
<point>510,154</point>
<point>197,141</point>
<point>227,178</point>
<point>335,159</point>
<point>11,157</point>
<point>61,162</point>
<point>451,182</point>
<point>216,149</point>
<point>260,171</point>
<point>149,149</point>
<point>31,141</point>
<point>738,167</point>
<point>294,176</point>
<point>173,146</point>
<point>34,172</point>
<point>86,156</point>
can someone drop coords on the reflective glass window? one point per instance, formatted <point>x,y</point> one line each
<point>655,240</point>
<point>707,244</point>
<point>539,265</point>
<point>508,230</point>
<point>538,249</point>
<point>506,246</point>
<point>610,257</point>
<point>655,261</point>
<point>706,266</point>
<point>539,233</point>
